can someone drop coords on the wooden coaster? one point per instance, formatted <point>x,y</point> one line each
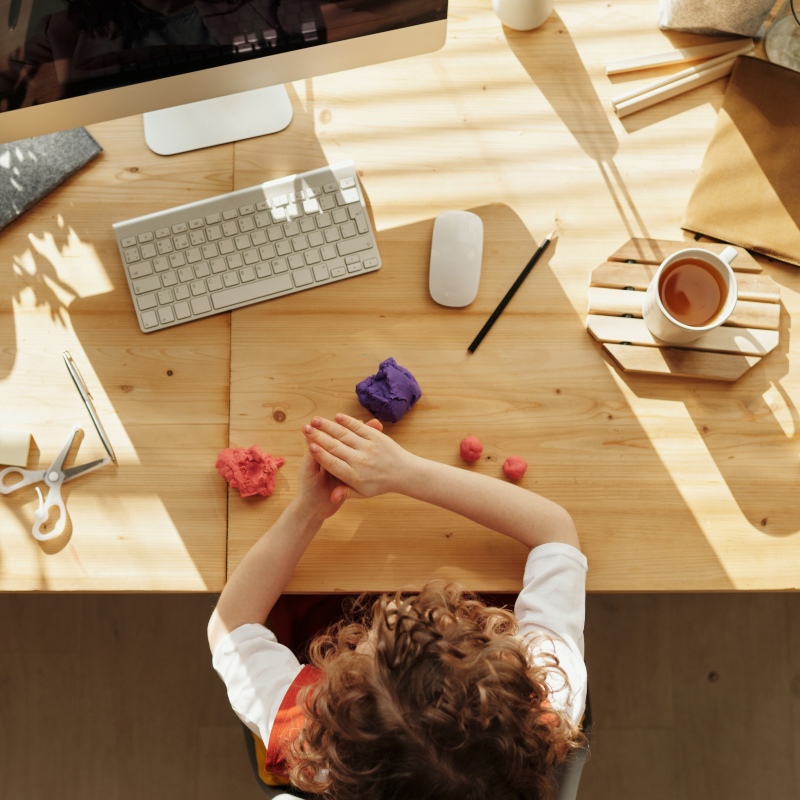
<point>616,292</point>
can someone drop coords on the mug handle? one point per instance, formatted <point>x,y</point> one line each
<point>728,254</point>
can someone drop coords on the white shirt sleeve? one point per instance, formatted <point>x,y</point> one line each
<point>552,604</point>
<point>257,672</point>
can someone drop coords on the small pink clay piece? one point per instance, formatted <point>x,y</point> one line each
<point>471,448</point>
<point>514,467</point>
<point>249,470</point>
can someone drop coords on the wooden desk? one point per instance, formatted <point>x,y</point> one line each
<point>675,485</point>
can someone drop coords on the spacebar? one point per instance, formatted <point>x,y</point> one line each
<point>251,291</point>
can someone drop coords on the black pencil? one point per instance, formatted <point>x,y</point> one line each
<point>512,291</point>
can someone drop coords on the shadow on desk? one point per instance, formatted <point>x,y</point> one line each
<point>748,427</point>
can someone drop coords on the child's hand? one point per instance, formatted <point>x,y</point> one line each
<point>314,489</point>
<point>366,461</point>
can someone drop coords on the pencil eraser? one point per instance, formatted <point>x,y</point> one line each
<point>15,447</point>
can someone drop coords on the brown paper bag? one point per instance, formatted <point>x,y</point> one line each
<point>748,189</point>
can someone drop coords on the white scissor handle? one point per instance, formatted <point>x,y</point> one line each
<point>28,476</point>
<point>42,514</point>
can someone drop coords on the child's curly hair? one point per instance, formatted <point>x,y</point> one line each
<point>432,695</point>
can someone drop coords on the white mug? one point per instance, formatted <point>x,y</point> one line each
<point>522,15</point>
<point>674,327</point>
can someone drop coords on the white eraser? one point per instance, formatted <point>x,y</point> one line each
<point>15,446</point>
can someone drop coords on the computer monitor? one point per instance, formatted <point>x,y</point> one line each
<point>203,72</point>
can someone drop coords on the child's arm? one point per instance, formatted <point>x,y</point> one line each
<point>369,463</point>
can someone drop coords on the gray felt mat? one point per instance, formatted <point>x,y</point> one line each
<point>30,168</point>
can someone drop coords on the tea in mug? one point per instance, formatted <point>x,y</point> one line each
<point>692,291</point>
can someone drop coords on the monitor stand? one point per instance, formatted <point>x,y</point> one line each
<point>218,120</point>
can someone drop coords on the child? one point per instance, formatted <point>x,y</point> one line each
<point>433,694</point>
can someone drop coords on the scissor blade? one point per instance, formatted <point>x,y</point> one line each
<point>80,469</point>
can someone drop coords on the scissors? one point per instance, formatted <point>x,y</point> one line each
<point>53,477</point>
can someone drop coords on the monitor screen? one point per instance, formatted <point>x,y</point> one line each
<point>67,63</point>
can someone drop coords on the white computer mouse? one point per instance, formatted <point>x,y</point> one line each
<point>456,253</point>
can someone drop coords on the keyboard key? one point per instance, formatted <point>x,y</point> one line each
<point>197,237</point>
<point>337,272</point>
<point>162,232</point>
<point>251,291</point>
<point>347,230</point>
<point>148,250</point>
<point>247,274</point>
<point>128,241</point>
<point>214,283</point>
<point>166,315</point>
<point>149,284</point>
<point>180,227</point>
<point>347,196</point>
<point>213,219</point>
<point>201,305</point>
<point>198,288</point>
<point>140,270</point>
<point>303,277</point>
<point>321,272</point>
<point>354,245</point>
<point>196,223</point>
<point>230,278</point>
<point>146,301</point>
<point>147,236</point>
<point>132,255</point>
<point>181,292</point>
<point>165,296</point>
<point>149,319</point>
<point>182,311</point>
<point>177,260</point>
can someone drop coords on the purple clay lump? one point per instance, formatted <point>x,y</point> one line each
<point>390,392</point>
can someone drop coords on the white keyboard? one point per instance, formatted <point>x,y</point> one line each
<point>254,244</point>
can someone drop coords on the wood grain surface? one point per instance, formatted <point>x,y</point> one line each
<point>674,485</point>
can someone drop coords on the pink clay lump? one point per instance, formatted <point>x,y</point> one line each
<point>514,467</point>
<point>249,470</point>
<point>471,448</point>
